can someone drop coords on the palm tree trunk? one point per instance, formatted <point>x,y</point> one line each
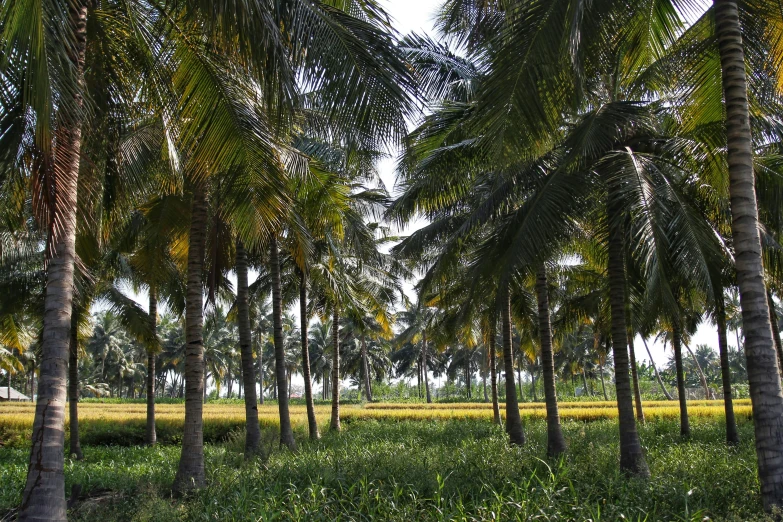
<point>513,420</point>
<point>334,425</point>
<point>484,385</point>
<point>533,385</point>
<point>493,372</point>
<point>260,355</point>
<point>773,320</point>
<point>252,430</point>
<point>151,436</point>
<point>286,433</point>
<point>519,380</point>
<point>44,493</point>
<point>418,378</point>
<point>424,357</point>
<point>190,473</point>
<point>702,377</point>
<point>312,423</point>
<point>366,369</point>
<point>685,428</point>
<point>763,374</point>
<point>556,444</point>
<point>732,435</point>
<point>637,393</point>
<point>73,388</point>
<point>631,457</point>
<point>655,369</point>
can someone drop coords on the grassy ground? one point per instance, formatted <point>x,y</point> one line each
<point>423,470</point>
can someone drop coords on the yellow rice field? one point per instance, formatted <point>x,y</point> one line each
<point>20,415</point>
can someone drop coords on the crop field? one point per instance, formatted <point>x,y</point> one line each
<point>461,470</point>
<point>123,423</point>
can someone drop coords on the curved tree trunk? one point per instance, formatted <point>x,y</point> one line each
<point>424,357</point>
<point>655,369</point>
<point>334,425</point>
<point>286,433</point>
<point>252,430</point>
<point>190,473</point>
<point>513,420</point>
<point>73,388</point>
<point>151,436</point>
<point>555,442</point>
<point>366,370</point>
<point>44,493</point>
<point>637,393</point>
<point>763,373</point>
<point>732,435</point>
<point>702,377</point>
<point>685,428</point>
<point>631,457</point>
<point>312,423</point>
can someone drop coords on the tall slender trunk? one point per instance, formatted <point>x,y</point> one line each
<point>484,384</point>
<point>533,385</point>
<point>493,373</point>
<point>555,442</point>
<point>468,379</point>
<point>655,369</point>
<point>424,357</point>
<point>631,457</point>
<point>519,380</point>
<point>44,493</point>
<point>773,320</point>
<point>260,356</point>
<point>418,378</point>
<point>190,473</point>
<point>334,425</point>
<point>366,369</point>
<point>73,387</point>
<point>637,393</point>
<point>513,420</point>
<point>732,435</point>
<point>763,374</point>
<point>286,433</point>
<point>685,428</point>
<point>312,423</point>
<point>151,436</point>
<point>702,377</point>
<point>252,430</point>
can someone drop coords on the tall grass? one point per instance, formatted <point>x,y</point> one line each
<point>425,470</point>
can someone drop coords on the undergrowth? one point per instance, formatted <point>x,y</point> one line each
<point>423,470</point>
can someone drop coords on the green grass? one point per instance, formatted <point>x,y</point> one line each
<point>424,470</point>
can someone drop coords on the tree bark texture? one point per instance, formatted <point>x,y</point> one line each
<point>151,436</point>
<point>190,473</point>
<point>555,441</point>
<point>43,497</point>
<point>252,430</point>
<point>632,459</point>
<point>312,423</point>
<point>286,433</point>
<point>763,373</point>
<point>513,420</point>
<point>334,424</point>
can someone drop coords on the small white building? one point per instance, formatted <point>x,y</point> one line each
<point>11,394</point>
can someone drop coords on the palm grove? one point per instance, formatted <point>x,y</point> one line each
<point>589,171</point>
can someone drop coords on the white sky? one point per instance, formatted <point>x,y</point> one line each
<point>417,15</point>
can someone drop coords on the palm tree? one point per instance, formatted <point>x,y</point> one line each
<point>763,369</point>
<point>252,430</point>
